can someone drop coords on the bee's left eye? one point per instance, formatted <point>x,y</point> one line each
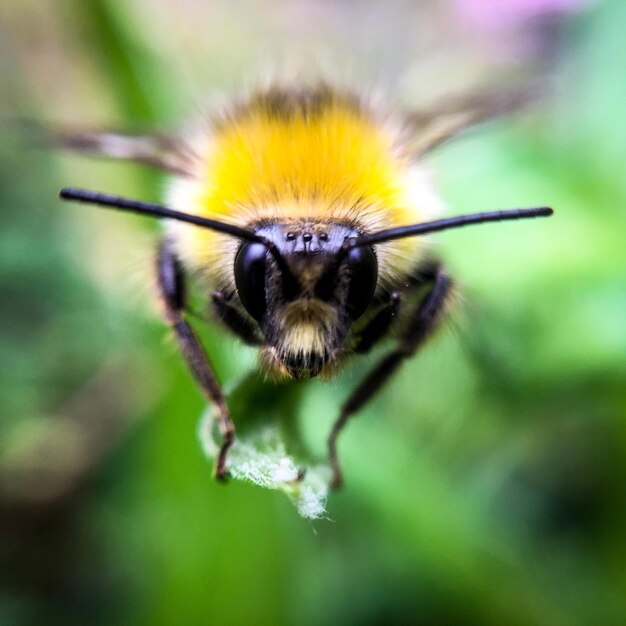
<point>250,264</point>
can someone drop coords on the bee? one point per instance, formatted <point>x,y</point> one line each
<point>302,212</point>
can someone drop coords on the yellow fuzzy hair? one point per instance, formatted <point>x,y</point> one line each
<point>315,156</point>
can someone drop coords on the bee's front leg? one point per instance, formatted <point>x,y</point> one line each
<point>234,320</point>
<point>171,287</point>
<point>419,327</point>
<point>378,325</point>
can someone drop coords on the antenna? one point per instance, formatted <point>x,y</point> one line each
<point>448,223</point>
<point>157,210</point>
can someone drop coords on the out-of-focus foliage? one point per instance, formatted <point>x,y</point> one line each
<point>485,485</point>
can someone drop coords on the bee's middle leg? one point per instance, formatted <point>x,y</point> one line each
<point>419,328</point>
<point>171,287</point>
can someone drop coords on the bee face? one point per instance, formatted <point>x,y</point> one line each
<point>306,293</point>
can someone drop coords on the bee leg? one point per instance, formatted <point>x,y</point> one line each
<point>421,325</point>
<point>231,317</point>
<point>379,324</point>
<point>171,286</point>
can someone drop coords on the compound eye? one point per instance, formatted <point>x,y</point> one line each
<point>363,278</point>
<point>250,264</point>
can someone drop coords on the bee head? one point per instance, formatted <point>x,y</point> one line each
<point>305,288</point>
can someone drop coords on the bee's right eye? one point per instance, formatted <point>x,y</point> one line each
<point>250,264</point>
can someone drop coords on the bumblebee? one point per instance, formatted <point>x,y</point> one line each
<point>302,213</point>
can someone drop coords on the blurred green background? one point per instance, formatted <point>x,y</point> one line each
<point>484,486</point>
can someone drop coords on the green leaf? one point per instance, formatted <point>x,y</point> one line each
<point>268,451</point>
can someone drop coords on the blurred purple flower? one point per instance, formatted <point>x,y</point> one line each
<point>497,14</point>
<point>519,32</point>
